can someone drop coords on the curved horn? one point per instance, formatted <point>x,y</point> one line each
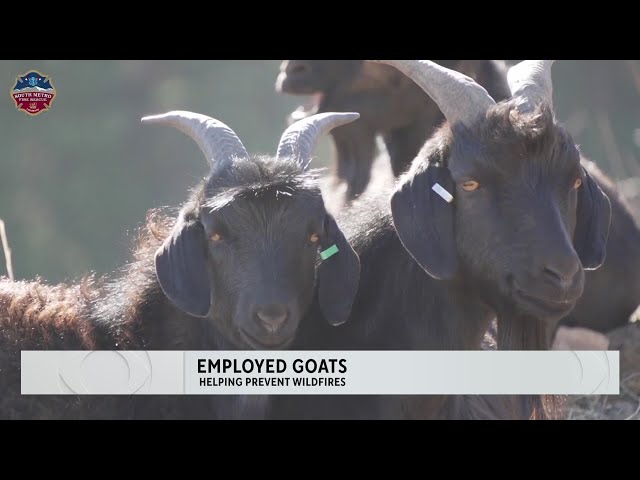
<point>300,139</point>
<point>530,80</point>
<point>459,97</point>
<point>216,140</point>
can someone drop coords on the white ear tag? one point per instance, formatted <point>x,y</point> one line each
<point>442,192</point>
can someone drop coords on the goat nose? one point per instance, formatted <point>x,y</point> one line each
<point>561,270</point>
<point>297,68</point>
<point>272,317</point>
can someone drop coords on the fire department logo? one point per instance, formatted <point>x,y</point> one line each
<point>33,92</point>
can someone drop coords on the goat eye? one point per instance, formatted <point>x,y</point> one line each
<point>215,237</point>
<point>314,237</point>
<point>470,186</point>
<point>577,183</point>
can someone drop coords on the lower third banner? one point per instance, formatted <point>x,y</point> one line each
<point>319,372</point>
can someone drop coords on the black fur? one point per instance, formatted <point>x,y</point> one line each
<point>612,292</point>
<point>185,291</point>
<point>432,242</point>
<point>181,269</point>
<point>501,238</point>
<point>338,275</point>
<point>394,107</point>
<point>592,225</point>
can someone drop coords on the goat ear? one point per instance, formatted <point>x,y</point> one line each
<point>338,274</point>
<point>424,220</point>
<point>593,219</point>
<point>181,269</point>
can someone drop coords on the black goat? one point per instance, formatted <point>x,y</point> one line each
<point>611,293</point>
<point>237,269</point>
<point>388,99</point>
<point>496,218</point>
<point>390,105</point>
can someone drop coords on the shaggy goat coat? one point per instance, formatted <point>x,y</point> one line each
<point>126,312</point>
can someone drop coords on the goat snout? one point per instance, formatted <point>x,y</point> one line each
<point>296,77</point>
<point>561,270</point>
<point>551,285</point>
<point>272,317</point>
<point>295,68</point>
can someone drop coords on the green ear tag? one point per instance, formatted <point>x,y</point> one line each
<point>329,252</point>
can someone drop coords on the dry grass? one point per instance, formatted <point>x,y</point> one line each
<point>6,249</point>
<point>626,405</point>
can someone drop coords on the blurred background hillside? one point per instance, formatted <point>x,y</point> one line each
<point>76,181</point>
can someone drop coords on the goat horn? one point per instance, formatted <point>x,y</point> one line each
<point>216,140</point>
<point>300,139</point>
<point>530,81</point>
<point>459,97</point>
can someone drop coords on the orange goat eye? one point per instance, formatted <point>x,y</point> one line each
<point>216,237</point>
<point>314,238</point>
<point>577,183</point>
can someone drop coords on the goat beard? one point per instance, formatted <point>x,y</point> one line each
<point>517,331</point>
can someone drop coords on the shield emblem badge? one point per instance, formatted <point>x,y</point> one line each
<point>33,92</point>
